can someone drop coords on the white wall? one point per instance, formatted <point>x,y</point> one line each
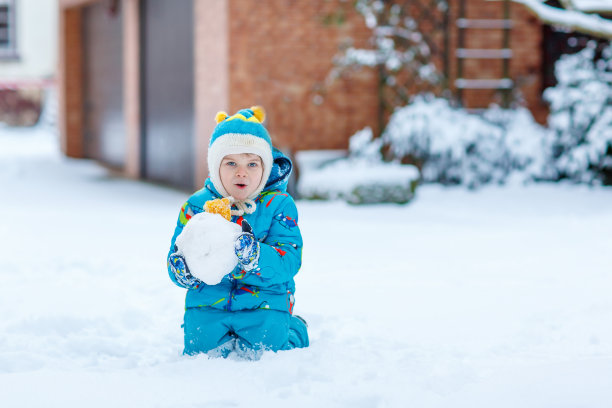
<point>37,39</point>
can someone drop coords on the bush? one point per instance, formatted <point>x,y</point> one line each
<point>360,178</point>
<point>455,147</point>
<point>20,107</point>
<point>451,146</point>
<point>580,143</point>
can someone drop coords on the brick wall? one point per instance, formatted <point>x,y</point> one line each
<point>525,42</point>
<point>280,56</point>
<point>526,64</point>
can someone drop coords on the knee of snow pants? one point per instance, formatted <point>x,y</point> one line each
<point>206,329</point>
<point>221,332</point>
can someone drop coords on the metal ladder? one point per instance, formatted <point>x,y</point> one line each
<point>504,84</point>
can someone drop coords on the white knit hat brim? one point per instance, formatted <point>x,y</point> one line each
<point>236,143</point>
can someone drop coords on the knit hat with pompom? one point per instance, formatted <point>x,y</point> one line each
<point>242,132</point>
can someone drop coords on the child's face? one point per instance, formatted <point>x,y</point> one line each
<point>241,174</point>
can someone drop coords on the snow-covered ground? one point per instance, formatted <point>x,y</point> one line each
<point>495,298</point>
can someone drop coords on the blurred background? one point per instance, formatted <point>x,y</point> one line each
<point>28,60</point>
<point>128,81</point>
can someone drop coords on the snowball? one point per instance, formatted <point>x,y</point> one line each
<point>207,243</point>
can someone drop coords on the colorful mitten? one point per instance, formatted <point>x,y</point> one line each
<point>181,271</point>
<point>221,206</point>
<point>247,248</point>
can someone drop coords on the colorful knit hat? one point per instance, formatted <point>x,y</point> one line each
<point>240,133</point>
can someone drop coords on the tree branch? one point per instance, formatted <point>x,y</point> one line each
<point>573,20</point>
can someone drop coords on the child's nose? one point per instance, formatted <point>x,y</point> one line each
<point>241,171</point>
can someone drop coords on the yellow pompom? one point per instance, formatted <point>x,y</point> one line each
<point>221,206</point>
<point>220,116</point>
<point>259,113</point>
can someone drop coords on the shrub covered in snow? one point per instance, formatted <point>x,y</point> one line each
<point>580,145</point>
<point>360,178</point>
<point>453,146</point>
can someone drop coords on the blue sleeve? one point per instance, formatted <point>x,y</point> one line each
<point>281,252</point>
<point>177,267</point>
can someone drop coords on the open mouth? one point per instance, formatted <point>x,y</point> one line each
<point>241,186</point>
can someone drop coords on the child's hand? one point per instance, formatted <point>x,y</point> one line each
<point>181,271</point>
<point>246,248</point>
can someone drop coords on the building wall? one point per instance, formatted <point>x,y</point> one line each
<point>131,87</point>
<point>525,42</point>
<point>167,104</point>
<point>526,64</point>
<point>211,50</point>
<point>280,56</point>
<point>103,83</point>
<point>70,82</point>
<point>37,42</point>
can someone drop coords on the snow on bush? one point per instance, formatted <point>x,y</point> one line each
<point>360,178</point>
<point>398,48</point>
<point>453,146</point>
<point>580,145</point>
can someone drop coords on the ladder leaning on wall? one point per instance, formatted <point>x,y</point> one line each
<point>465,23</point>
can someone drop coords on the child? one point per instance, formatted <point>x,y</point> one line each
<point>250,310</point>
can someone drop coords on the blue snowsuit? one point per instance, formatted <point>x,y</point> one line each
<point>247,310</point>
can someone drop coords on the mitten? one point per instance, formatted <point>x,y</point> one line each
<point>246,248</point>
<point>181,271</point>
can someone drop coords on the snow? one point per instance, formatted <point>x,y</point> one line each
<point>593,5</point>
<point>207,242</point>
<point>455,146</point>
<point>573,19</point>
<point>355,174</point>
<point>498,297</point>
<point>580,116</point>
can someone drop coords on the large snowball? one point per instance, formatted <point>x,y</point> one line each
<point>207,243</point>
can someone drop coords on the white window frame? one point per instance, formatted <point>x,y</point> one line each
<point>9,50</point>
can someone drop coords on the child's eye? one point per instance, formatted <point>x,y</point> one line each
<point>230,163</point>
<point>254,164</point>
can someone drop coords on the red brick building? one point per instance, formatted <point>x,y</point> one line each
<point>140,81</point>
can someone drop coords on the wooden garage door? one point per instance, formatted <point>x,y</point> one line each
<point>167,91</point>
<point>104,130</point>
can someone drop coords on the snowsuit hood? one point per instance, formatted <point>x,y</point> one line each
<point>278,179</point>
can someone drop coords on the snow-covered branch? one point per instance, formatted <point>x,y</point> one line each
<point>572,19</point>
<point>397,48</point>
<point>590,6</point>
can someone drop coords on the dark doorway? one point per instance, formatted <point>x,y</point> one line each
<point>167,104</point>
<point>104,124</point>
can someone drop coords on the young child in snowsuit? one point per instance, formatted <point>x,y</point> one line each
<point>251,308</point>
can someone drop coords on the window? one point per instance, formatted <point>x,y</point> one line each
<point>8,44</point>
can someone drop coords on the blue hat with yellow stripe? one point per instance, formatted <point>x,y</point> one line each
<point>242,132</point>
